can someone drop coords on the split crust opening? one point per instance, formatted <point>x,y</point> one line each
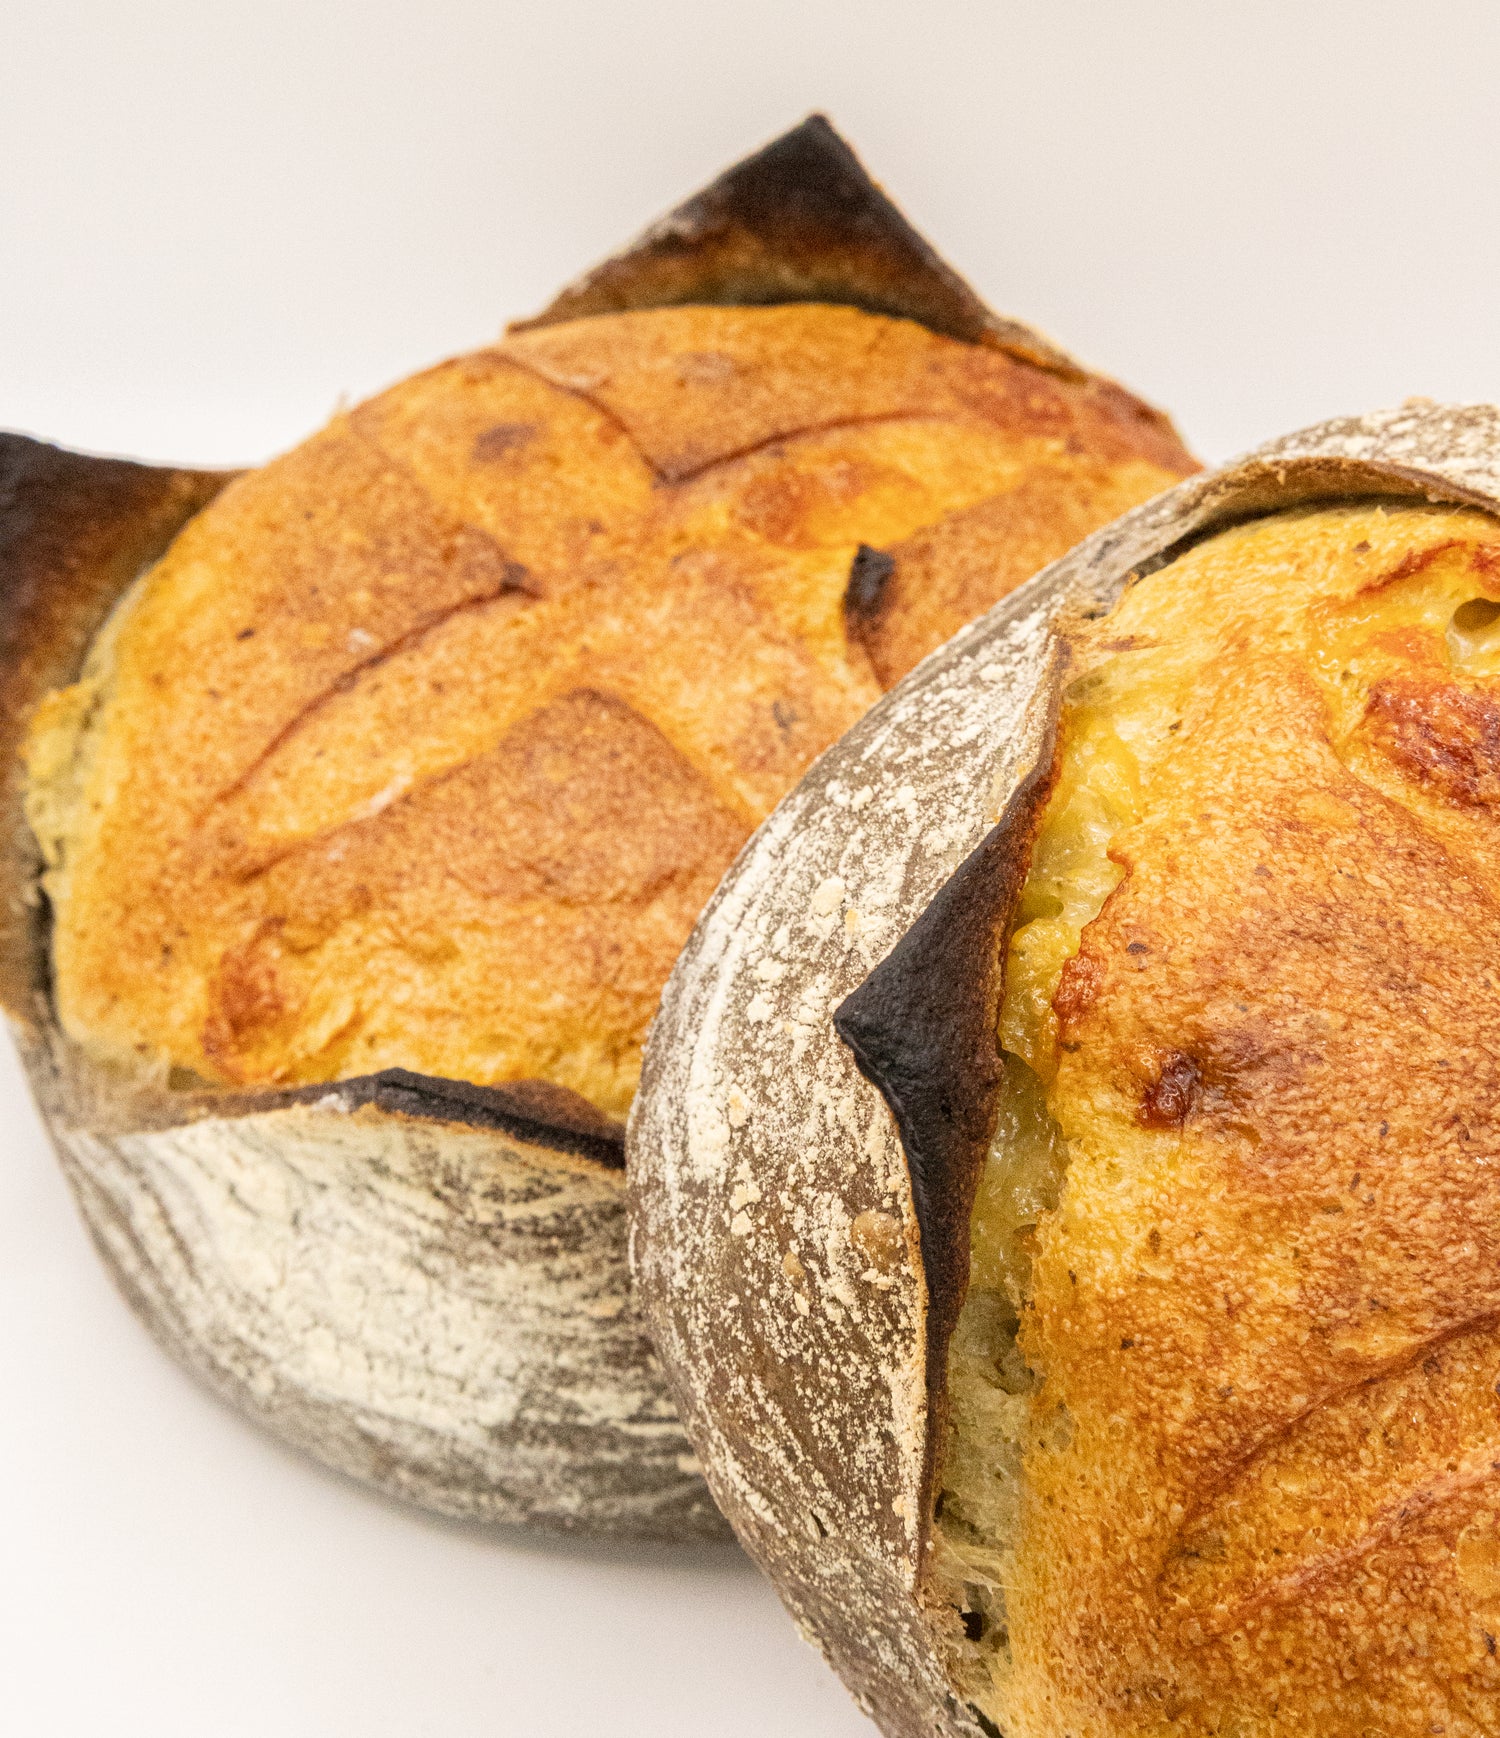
<point>1261,692</point>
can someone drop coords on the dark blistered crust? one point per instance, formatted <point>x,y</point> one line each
<point>922,1029</point>
<point>74,532</point>
<point>799,221</point>
<point>867,591</point>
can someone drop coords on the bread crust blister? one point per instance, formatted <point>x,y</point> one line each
<point>811,1374</point>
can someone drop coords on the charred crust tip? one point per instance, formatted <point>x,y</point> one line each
<point>921,1029</point>
<point>800,220</point>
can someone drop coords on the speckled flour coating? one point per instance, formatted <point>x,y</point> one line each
<point>337,1269</point>
<point>776,1237</point>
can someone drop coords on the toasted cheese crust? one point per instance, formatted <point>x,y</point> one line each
<point>1241,1470</point>
<point>425,744</point>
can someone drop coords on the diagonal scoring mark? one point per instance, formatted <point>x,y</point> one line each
<point>508,587</point>
<point>585,397</point>
<point>1293,1556</point>
<point>674,475</point>
<point>691,473</point>
<point>515,580</point>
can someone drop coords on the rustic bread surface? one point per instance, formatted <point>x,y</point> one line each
<point>422,1280</point>
<point>422,1290</point>
<point>425,744</point>
<point>792,1237</point>
<point>74,532</point>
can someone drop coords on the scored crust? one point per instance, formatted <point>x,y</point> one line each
<point>445,775</point>
<point>439,1307</point>
<point>799,1279</point>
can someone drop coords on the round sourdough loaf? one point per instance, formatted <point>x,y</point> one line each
<point>373,816</point>
<point>1066,1172</point>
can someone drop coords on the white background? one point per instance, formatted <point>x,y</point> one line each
<point>216,219</point>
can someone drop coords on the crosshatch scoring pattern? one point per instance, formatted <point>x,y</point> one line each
<point>425,744</point>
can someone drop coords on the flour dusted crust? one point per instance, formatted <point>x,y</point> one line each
<point>416,1282</point>
<point>421,1280</point>
<point>793,1242</point>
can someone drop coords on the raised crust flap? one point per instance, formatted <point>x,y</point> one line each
<point>922,1029</point>
<point>798,221</point>
<point>533,1111</point>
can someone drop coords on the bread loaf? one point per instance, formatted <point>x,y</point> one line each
<point>380,806</point>
<point>1077,1115</point>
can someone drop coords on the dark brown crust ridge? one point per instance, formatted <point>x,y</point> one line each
<point>798,221</point>
<point>535,1111</point>
<point>922,1030</point>
<point>74,532</point>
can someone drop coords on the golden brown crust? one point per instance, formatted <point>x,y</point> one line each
<point>74,531</point>
<point>514,658</point>
<point>446,549</point>
<point>1277,1029</point>
<point>810,369</point>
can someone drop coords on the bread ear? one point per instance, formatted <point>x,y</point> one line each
<point>798,221</point>
<point>534,1112</point>
<point>74,532</point>
<point>922,1030</point>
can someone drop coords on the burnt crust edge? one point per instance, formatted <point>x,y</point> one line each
<point>534,1111</point>
<point>922,1029</point>
<point>800,220</point>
